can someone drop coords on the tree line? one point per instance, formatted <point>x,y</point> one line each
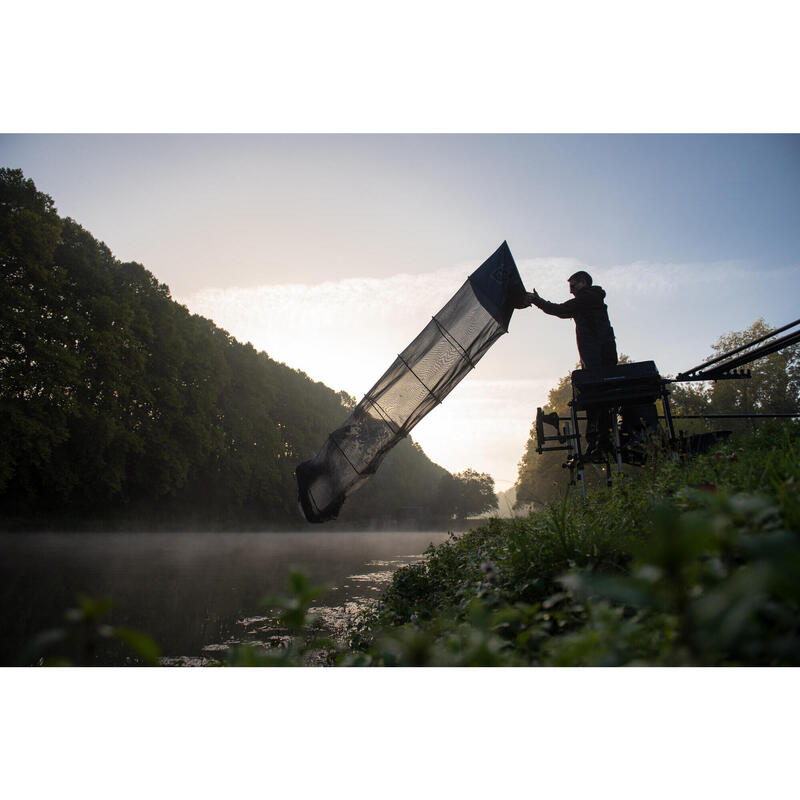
<point>117,405</point>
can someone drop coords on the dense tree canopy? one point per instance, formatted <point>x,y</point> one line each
<point>116,403</point>
<point>468,493</point>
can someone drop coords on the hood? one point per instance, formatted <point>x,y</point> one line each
<point>596,291</point>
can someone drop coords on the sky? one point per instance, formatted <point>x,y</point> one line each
<point>331,252</point>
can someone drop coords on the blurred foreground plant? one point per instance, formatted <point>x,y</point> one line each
<point>698,564</point>
<point>715,585</point>
<point>291,613</point>
<point>83,636</point>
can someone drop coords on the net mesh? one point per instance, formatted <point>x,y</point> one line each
<point>446,349</point>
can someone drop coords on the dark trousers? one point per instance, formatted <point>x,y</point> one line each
<point>598,418</point>
<point>598,426</point>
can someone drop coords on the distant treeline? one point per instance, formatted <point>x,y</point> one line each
<point>118,406</point>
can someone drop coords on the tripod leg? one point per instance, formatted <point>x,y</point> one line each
<point>579,455</point>
<point>570,454</point>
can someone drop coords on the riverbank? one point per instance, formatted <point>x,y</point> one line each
<point>683,564</point>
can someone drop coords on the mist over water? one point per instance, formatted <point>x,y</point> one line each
<point>189,591</point>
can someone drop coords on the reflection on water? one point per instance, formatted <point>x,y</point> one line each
<point>194,593</point>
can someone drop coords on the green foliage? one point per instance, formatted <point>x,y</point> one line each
<point>467,493</point>
<point>84,636</point>
<point>713,585</point>
<point>774,385</point>
<point>33,360</point>
<point>117,403</point>
<point>290,612</point>
<point>699,564</point>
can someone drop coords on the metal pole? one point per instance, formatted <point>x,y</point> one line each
<point>734,416</point>
<point>739,349</point>
<point>569,454</point>
<point>668,415</point>
<point>718,373</point>
<point>617,445</point>
<point>579,455</point>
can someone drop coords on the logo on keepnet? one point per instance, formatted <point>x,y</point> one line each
<point>500,274</point>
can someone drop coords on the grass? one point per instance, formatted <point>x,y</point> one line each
<point>692,562</point>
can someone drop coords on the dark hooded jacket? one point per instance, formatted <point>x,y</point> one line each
<point>597,346</point>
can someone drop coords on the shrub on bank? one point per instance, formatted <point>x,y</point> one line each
<point>690,563</point>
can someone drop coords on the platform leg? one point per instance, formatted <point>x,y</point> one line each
<point>668,416</point>
<point>578,453</point>
<point>570,453</point>
<point>617,445</point>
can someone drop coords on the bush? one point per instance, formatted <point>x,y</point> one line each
<point>693,563</point>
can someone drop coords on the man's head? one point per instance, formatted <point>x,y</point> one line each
<point>578,281</point>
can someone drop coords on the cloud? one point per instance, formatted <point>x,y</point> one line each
<point>644,278</point>
<point>345,333</point>
<point>548,275</point>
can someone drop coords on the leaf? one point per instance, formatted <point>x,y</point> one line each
<point>141,643</point>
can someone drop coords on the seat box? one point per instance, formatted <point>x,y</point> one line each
<point>626,383</point>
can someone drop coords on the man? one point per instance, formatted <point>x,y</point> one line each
<point>597,346</point>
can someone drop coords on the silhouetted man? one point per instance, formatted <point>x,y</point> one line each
<point>597,346</point>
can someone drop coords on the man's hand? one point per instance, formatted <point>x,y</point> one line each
<point>530,297</point>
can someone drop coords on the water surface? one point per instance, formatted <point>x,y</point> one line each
<point>194,593</point>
